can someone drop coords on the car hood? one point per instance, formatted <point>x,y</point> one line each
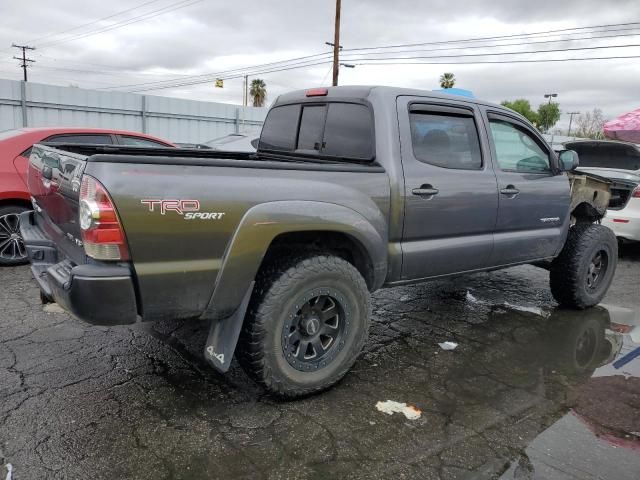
<point>613,173</point>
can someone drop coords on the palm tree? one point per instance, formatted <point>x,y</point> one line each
<point>447,80</point>
<point>258,91</point>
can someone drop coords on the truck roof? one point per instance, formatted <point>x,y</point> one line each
<point>384,92</point>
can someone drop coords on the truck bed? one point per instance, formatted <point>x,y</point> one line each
<point>175,258</point>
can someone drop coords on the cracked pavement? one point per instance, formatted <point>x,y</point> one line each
<point>530,392</point>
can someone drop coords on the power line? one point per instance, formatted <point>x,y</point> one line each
<point>55,34</point>
<point>477,62</point>
<point>464,55</point>
<point>208,76</point>
<point>124,23</point>
<point>239,75</point>
<point>358,61</point>
<point>211,75</point>
<point>476,39</point>
<point>471,47</point>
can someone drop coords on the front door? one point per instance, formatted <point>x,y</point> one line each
<point>451,197</point>
<point>534,200</point>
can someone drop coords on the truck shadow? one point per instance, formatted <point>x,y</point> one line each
<point>629,250</point>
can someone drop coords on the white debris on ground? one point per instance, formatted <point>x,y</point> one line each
<point>9,468</point>
<point>390,407</point>
<point>448,345</point>
<point>471,298</point>
<point>53,308</point>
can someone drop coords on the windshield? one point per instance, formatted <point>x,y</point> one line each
<point>607,155</point>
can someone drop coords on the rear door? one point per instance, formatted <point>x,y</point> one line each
<point>451,197</point>
<point>534,200</point>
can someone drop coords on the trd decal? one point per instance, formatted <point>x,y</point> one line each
<point>189,209</point>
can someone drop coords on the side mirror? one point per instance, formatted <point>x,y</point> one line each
<point>568,160</point>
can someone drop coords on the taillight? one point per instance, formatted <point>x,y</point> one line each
<point>102,233</point>
<point>636,192</point>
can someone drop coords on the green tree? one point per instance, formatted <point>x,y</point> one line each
<point>258,91</point>
<point>523,107</point>
<point>447,80</point>
<point>548,115</point>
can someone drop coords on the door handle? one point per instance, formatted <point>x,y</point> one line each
<point>510,191</point>
<point>425,191</point>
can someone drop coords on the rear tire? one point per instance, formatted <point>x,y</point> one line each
<point>584,270</point>
<point>307,322</point>
<point>12,249</point>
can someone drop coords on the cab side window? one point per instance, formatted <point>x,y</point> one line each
<point>446,140</point>
<point>517,150</point>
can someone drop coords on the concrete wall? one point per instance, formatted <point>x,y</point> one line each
<point>178,120</point>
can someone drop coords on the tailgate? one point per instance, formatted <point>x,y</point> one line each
<point>54,178</point>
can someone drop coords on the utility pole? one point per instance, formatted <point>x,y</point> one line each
<point>336,45</point>
<point>24,59</point>
<point>571,114</point>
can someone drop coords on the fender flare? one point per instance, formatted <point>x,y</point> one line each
<point>249,245</point>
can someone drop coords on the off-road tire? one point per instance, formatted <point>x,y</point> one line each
<point>12,210</point>
<point>568,277</point>
<point>280,287</point>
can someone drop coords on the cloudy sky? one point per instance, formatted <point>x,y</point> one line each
<point>128,45</point>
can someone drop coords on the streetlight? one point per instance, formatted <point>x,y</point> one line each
<point>348,65</point>
<point>550,96</point>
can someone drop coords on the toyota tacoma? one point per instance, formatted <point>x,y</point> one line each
<point>351,189</point>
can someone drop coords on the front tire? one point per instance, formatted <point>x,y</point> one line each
<point>584,270</point>
<point>12,249</point>
<point>306,324</point>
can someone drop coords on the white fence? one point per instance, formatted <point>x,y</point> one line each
<point>178,120</point>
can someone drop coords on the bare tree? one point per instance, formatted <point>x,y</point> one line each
<point>591,125</point>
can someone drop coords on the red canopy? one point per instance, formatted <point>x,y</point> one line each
<point>626,127</point>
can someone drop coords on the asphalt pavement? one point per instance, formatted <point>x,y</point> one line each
<point>530,391</point>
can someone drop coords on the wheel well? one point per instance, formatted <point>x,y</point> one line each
<point>586,213</point>
<point>336,243</point>
<point>15,201</point>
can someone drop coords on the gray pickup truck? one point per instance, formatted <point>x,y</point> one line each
<point>351,189</point>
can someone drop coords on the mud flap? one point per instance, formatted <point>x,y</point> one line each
<point>223,336</point>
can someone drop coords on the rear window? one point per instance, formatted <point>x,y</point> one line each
<point>349,131</point>
<point>607,156</point>
<point>279,131</point>
<point>343,130</point>
<point>311,127</point>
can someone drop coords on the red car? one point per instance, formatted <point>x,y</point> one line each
<point>15,147</point>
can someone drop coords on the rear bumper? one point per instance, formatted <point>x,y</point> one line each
<point>96,293</point>
<point>625,223</point>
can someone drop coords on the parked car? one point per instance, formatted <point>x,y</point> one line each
<point>15,147</point>
<point>619,162</point>
<point>280,249</point>
<point>235,142</point>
